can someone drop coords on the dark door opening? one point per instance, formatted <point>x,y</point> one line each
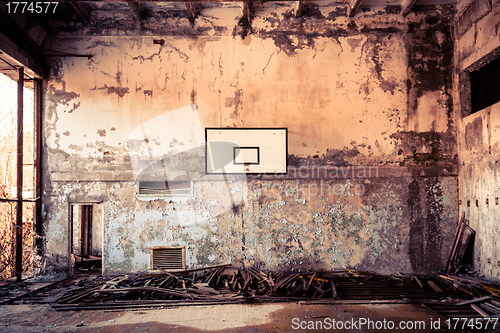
<point>86,237</point>
<point>85,230</point>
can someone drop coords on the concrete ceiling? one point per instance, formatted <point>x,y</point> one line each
<point>192,8</point>
<point>149,16</point>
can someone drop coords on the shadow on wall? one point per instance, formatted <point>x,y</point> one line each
<point>171,148</point>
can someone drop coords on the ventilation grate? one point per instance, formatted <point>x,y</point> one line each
<point>470,14</point>
<point>165,188</point>
<point>168,258</point>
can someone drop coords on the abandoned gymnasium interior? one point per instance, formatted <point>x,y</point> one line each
<point>270,137</point>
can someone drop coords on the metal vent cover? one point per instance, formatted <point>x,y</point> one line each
<point>168,258</point>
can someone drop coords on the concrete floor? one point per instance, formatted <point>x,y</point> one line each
<point>272,317</point>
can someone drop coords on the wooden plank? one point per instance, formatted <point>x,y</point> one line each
<point>235,281</point>
<point>447,278</point>
<point>419,282</point>
<point>454,245</point>
<point>479,310</point>
<point>319,290</point>
<point>492,290</point>
<point>434,286</point>
<point>463,243</point>
<point>474,300</point>
<point>187,271</point>
<point>54,298</point>
<point>286,281</point>
<point>461,279</point>
<point>310,282</point>
<point>490,307</point>
<point>78,296</point>
<point>465,289</point>
<point>494,302</point>
<point>164,281</point>
<point>153,289</point>
<point>334,291</point>
<point>217,272</point>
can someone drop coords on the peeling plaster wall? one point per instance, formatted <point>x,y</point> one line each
<point>478,136</point>
<point>480,183</point>
<point>367,98</point>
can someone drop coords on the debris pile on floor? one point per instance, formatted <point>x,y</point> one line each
<point>484,298</point>
<point>227,284</point>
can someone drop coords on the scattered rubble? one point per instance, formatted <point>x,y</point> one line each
<point>462,296</point>
<point>448,293</point>
<point>228,284</point>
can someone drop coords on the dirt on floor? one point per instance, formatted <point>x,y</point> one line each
<point>272,317</point>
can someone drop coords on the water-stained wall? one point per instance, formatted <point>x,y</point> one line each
<point>479,185</point>
<point>478,136</point>
<point>367,103</point>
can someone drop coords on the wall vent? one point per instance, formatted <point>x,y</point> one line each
<point>165,188</point>
<point>168,258</point>
<point>470,14</point>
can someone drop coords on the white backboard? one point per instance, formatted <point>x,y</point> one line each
<point>246,150</point>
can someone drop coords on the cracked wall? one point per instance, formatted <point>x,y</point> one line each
<point>372,153</point>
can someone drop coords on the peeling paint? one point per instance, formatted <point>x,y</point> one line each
<point>269,71</point>
<point>120,91</point>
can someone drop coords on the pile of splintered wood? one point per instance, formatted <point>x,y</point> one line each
<point>485,301</point>
<point>220,284</point>
<point>228,284</point>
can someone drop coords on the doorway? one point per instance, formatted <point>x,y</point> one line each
<point>86,235</point>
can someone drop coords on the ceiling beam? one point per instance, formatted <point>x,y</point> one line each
<point>299,8</point>
<point>18,50</point>
<point>201,1</point>
<point>353,7</point>
<point>136,8</point>
<point>82,9</point>
<point>192,11</point>
<point>407,6</point>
